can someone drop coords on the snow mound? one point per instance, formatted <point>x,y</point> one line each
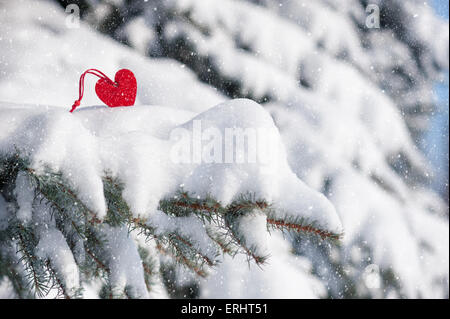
<point>136,145</point>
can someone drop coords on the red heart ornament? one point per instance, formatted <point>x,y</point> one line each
<point>121,92</point>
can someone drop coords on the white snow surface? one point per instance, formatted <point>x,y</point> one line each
<point>285,276</point>
<point>53,247</point>
<point>125,265</point>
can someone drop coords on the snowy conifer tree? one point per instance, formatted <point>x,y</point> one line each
<point>91,204</point>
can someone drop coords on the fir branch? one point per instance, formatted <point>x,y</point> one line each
<point>180,258</point>
<point>149,265</point>
<point>227,246</point>
<point>37,279</point>
<point>209,208</point>
<point>8,268</point>
<point>52,180</point>
<point>56,281</point>
<point>119,212</point>
<point>249,251</point>
<point>180,246</point>
<point>97,261</point>
<point>303,228</point>
<point>221,226</point>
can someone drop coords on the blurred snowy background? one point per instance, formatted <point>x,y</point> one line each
<point>435,143</point>
<point>357,88</point>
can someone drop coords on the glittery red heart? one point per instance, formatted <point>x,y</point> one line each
<point>120,93</point>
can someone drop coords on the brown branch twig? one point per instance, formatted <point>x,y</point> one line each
<point>302,228</point>
<point>97,261</point>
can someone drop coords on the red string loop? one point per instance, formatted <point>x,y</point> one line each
<point>95,72</point>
